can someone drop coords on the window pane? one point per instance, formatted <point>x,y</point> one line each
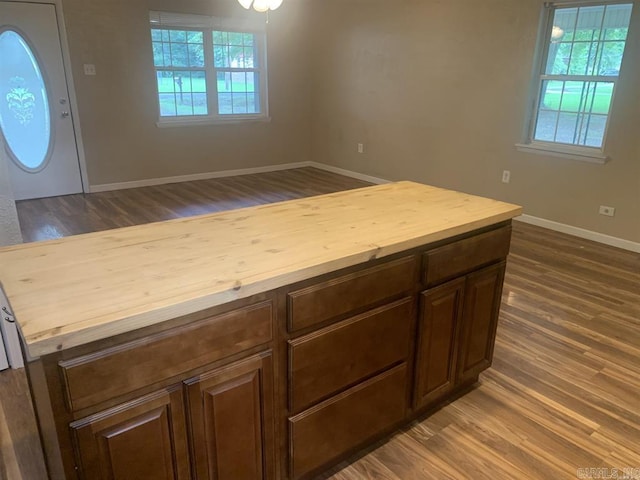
<point>559,57</point>
<point>200,104</point>
<point>196,54</point>
<point>177,36</point>
<point>594,130</point>
<point>224,81</point>
<point>546,126</point>
<point>158,54</point>
<point>167,104</point>
<point>25,120</point>
<point>253,103</point>
<point>573,96</point>
<point>551,95</point>
<point>603,97</point>
<point>170,48</point>
<point>611,58</point>
<point>220,56</point>
<point>181,101</point>
<point>195,37</point>
<point>249,57</point>
<point>165,82</point>
<point>239,103</point>
<point>235,38</point>
<point>220,38</point>
<point>224,103</point>
<point>567,127</point>
<point>179,56</point>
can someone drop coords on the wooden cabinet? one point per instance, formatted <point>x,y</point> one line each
<point>483,292</point>
<point>231,421</point>
<point>356,354</point>
<point>145,439</point>
<point>438,328</point>
<point>228,412</point>
<point>456,332</point>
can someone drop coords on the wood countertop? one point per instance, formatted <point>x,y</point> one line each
<point>76,290</point>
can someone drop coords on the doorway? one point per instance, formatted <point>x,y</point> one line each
<point>36,120</point>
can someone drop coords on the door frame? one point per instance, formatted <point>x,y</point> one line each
<point>71,89</point>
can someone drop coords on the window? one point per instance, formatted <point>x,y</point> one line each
<point>582,46</point>
<point>208,69</point>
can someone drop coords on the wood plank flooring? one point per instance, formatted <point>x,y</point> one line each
<point>563,393</point>
<point>48,218</point>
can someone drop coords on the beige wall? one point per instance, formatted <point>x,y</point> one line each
<point>118,109</point>
<point>436,90</point>
<point>9,226</point>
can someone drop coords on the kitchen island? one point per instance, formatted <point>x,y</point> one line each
<point>261,343</point>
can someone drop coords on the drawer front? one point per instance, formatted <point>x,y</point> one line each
<point>338,426</point>
<point>463,256</point>
<point>343,354</point>
<point>339,296</point>
<point>97,377</point>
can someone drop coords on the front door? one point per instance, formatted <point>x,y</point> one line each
<point>35,115</point>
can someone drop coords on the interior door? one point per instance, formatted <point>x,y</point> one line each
<point>35,115</point>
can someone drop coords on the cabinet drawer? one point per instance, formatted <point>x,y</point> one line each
<point>343,354</point>
<point>100,376</point>
<point>463,256</point>
<point>341,424</point>
<point>348,293</point>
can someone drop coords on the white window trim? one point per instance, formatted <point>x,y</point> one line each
<point>570,152</point>
<point>556,149</point>
<point>168,20</point>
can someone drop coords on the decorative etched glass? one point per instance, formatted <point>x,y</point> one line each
<point>25,120</point>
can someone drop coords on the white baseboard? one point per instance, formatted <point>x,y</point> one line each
<point>581,232</point>
<point>349,173</point>
<point>150,182</point>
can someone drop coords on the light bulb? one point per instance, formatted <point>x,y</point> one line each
<point>273,4</point>
<point>261,5</point>
<point>245,3</point>
<point>556,32</point>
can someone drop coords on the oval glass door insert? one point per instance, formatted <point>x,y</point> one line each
<point>25,120</point>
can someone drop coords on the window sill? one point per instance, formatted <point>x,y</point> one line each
<point>590,155</point>
<point>194,122</point>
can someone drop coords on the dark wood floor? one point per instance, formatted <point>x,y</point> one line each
<point>563,393</point>
<point>48,218</point>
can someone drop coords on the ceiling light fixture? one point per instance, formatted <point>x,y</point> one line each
<point>261,5</point>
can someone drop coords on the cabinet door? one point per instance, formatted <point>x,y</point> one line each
<point>141,440</point>
<point>483,291</point>
<point>440,312</point>
<point>231,417</point>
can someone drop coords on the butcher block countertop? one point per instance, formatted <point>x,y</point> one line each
<point>76,290</point>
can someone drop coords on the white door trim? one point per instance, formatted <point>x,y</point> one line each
<point>73,100</point>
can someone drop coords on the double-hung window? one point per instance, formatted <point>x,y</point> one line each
<point>581,49</point>
<point>208,69</point>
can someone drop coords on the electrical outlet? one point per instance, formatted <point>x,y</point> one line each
<point>608,211</point>
<point>89,69</point>
<point>506,176</point>
<point>361,148</point>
